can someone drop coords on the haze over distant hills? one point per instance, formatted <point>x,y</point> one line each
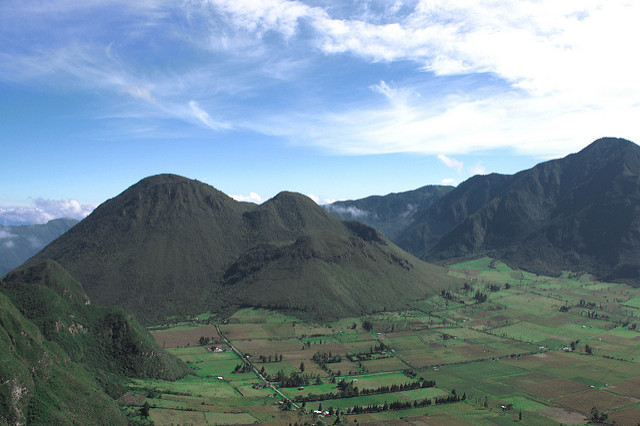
<point>390,214</point>
<point>169,245</point>
<point>19,243</point>
<point>581,212</point>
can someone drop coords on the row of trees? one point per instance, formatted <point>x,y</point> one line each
<point>402,405</point>
<point>264,359</point>
<point>348,390</point>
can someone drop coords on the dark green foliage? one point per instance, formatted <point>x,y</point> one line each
<point>26,240</point>
<point>144,410</point>
<point>367,325</point>
<point>170,246</point>
<point>108,341</point>
<point>597,416</point>
<point>38,382</point>
<point>480,297</point>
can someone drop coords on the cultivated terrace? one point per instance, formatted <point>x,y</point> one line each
<point>506,347</point>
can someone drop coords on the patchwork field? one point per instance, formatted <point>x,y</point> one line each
<point>509,347</point>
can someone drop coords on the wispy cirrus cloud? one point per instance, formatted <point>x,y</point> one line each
<point>545,76</point>
<point>205,118</point>
<point>451,162</point>
<point>552,62</point>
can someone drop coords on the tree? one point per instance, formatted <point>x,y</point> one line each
<point>588,349</point>
<point>144,411</point>
<point>302,367</point>
<point>596,416</point>
<point>367,325</point>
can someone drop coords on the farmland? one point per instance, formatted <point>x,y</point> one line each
<point>508,347</point>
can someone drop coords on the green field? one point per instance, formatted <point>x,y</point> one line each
<point>521,353</point>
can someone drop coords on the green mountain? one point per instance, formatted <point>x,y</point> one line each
<point>580,213</point>
<point>19,243</point>
<point>169,245</point>
<point>108,342</point>
<point>432,223</point>
<point>39,384</point>
<point>390,214</point>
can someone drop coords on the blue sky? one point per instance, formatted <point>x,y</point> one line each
<point>335,99</point>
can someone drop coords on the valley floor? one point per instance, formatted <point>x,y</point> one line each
<point>509,347</point>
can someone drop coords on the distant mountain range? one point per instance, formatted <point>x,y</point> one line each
<point>581,212</point>
<point>390,214</point>
<point>19,243</point>
<point>169,245</point>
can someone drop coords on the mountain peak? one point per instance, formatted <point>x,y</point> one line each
<point>169,245</point>
<point>607,147</point>
<point>574,213</point>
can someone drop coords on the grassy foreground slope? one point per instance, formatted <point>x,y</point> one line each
<point>171,246</point>
<point>39,384</point>
<point>107,341</point>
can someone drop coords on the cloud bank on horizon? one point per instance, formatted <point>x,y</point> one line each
<point>42,211</point>
<point>357,78</point>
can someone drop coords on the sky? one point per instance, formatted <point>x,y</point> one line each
<point>335,99</point>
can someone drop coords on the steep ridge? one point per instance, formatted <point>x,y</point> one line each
<point>173,246</point>
<point>108,342</point>
<point>580,212</point>
<point>38,382</point>
<point>390,214</point>
<point>450,210</point>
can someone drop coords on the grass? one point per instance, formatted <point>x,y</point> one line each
<point>507,351</point>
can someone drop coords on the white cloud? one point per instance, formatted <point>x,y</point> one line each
<point>251,198</point>
<point>565,71</point>
<point>451,162</point>
<point>478,169</point>
<point>352,211</point>
<point>9,244</point>
<point>5,234</point>
<point>321,201</point>
<point>140,93</point>
<point>448,181</point>
<point>565,75</point>
<point>44,211</point>
<point>64,208</point>
<point>204,117</point>
<point>265,15</point>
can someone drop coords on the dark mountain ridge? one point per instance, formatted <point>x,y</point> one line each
<point>392,213</point>
<point>580,212</point>
<point>169,245</point>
